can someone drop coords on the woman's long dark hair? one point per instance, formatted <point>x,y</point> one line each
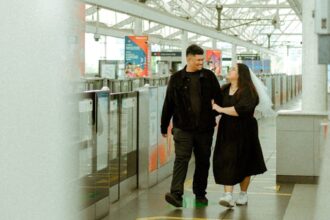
<point>245,81</point>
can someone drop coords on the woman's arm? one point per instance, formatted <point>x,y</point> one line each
<point>244,106</point>
<point>228,110</point>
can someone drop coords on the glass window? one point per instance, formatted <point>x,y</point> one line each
<point>94,51</point>
<point>107,48</point>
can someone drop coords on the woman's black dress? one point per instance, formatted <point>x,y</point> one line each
<point>237,152</point>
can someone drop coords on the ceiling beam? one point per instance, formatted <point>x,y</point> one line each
<point>173,35</point>
<point>90,27</point>
<point>282,31</point>
<point>269,6</point>
<point>153,29</point>
<point>134,9</point>
<point>278,37</point>
<point>200,8</point>
<point>286,34</point>
<point>296,7</point>
<point>195,37</point>
<point>91,10</point>
<point>124,22</point>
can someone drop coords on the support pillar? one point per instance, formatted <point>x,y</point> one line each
<point>233,54</point>
<point>184,45</point>
<point>214,44</point>
<point>314,76</point>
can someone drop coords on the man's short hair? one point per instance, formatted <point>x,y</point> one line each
<point>194,50</point>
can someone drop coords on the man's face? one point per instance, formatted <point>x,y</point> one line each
<point>195,62</point>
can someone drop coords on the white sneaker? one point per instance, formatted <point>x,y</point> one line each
<point>242,199</point>
<point>227,200</point>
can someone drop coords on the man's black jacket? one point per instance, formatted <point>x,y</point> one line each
<point>177,102</point>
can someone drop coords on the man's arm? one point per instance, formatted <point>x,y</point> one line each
<point>168,109</point>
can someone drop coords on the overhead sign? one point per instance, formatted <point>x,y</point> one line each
<point>248,57</point>
<point>167,54</point>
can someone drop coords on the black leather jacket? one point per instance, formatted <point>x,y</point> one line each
<point>177,102</point>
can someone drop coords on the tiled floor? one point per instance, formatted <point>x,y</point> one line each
<point>302,203</point>
<point>267,201</point>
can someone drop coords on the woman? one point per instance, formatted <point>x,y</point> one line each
<point>237,154</point>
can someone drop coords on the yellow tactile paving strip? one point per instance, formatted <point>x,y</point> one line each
<point>175,218</point>
<point>272,189</point>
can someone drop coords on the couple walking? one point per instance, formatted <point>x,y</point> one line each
<point>194,99</point>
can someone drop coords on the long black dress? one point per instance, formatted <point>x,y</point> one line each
<point>237,152</point>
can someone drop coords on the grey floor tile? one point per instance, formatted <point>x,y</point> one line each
<point>267,200</point>
<point>302,202</point>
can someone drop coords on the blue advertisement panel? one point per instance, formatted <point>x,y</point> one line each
<point>136,56</point>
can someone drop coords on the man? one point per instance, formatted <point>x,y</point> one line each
<point>188,100</point>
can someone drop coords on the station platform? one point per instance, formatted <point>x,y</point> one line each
<point>82,98</point>
<point>267,199</point>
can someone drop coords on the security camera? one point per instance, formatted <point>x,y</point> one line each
<point>97,37</point>
<point>276,22</point>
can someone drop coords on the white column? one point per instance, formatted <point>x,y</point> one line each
<point>314,76</point>
<point>260,54</point>
<point>233,54</point>
<point>39,123</point>
<point>214,44</point>
<point>138,29</point>
<point>184,45</point>
<point>150,73</point>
